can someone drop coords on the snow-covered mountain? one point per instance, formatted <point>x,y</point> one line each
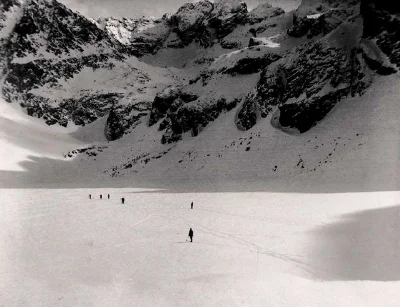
<point>144,35</point>
<point>61,67</point>
<point>213,81</point>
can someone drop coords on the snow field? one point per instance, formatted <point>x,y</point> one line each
<point>250,249</point>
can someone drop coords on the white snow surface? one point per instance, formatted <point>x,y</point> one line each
<point>250,249</point>
<point>267,41</point>
<point>314,16</point>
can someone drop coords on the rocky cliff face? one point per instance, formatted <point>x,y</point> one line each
<point>53,59</point>
<point>314,18</point>
<point>141,36</point>
<point>382,26</point>
<point>48,44</point>
<point>337,62</point>
<point>292,68</point>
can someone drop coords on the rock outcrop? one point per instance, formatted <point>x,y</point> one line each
<point>48,44</point>
<point>263,12</point>
<point>121,119</point>
<point>344,50</point>
<point>308,82</point>
<point>314,18</point>
<point>382,25</point>
<point>140,36</point>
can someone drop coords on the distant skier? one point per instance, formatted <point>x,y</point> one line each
<point>108,195</point>
<point>123,200</point>
<point>191,205</point>
<point>101,196</point>
<point>90,196</point>
<point>191,234</point>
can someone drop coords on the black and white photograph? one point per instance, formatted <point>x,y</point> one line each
<point>199,153</point>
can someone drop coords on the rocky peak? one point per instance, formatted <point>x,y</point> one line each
<point>227,14</point>
<point>48,45</point>
<point>226,7</point>
<point>119,29</point>
<point>262,12</point>
<point>313,18</point>
<point>142,36</point>
<point>191,15</point>
<point>48,28</point>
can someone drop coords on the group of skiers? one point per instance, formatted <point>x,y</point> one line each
<point>108,196</point>
<point>191,233</point>
<point>101,196</point>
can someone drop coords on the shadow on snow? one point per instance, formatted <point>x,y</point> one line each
<point>361,246</point>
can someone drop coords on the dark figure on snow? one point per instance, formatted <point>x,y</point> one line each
<point>123,200</point>
<point>101,196</point>
<point>191,205</point>
<point>108,195</point>
<point>90,196</point>
<point>191,234</point>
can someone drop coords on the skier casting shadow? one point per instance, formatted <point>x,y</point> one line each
<point>191,234</point>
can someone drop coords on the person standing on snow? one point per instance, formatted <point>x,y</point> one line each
<point>191,234</point>
<point>123,200</point>
<point>90,196</point>
<point>191,205</point>
<point>108,195</point>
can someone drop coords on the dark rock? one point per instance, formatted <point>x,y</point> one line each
<point>114,128</point>
<point>162,102</point>
<point>263,12</point>
<point>229,45</point>
<point>252,65</point>
<point>375,62</point>
<point>193,118</point>
<point>248,114</point>
<point>226,16</point>
<point>189,22</point>
<point>305,114</point>
<point>296,86</point>
<point>188,97</point>
<point>381,25</point>
<point>123,119</point>
<point>314,18</point>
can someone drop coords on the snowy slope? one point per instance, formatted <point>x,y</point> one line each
<point>352,155</point>
<point>23,137</point>
<point>359,153</point>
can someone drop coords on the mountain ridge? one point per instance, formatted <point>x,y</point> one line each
<point>189,70</point>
